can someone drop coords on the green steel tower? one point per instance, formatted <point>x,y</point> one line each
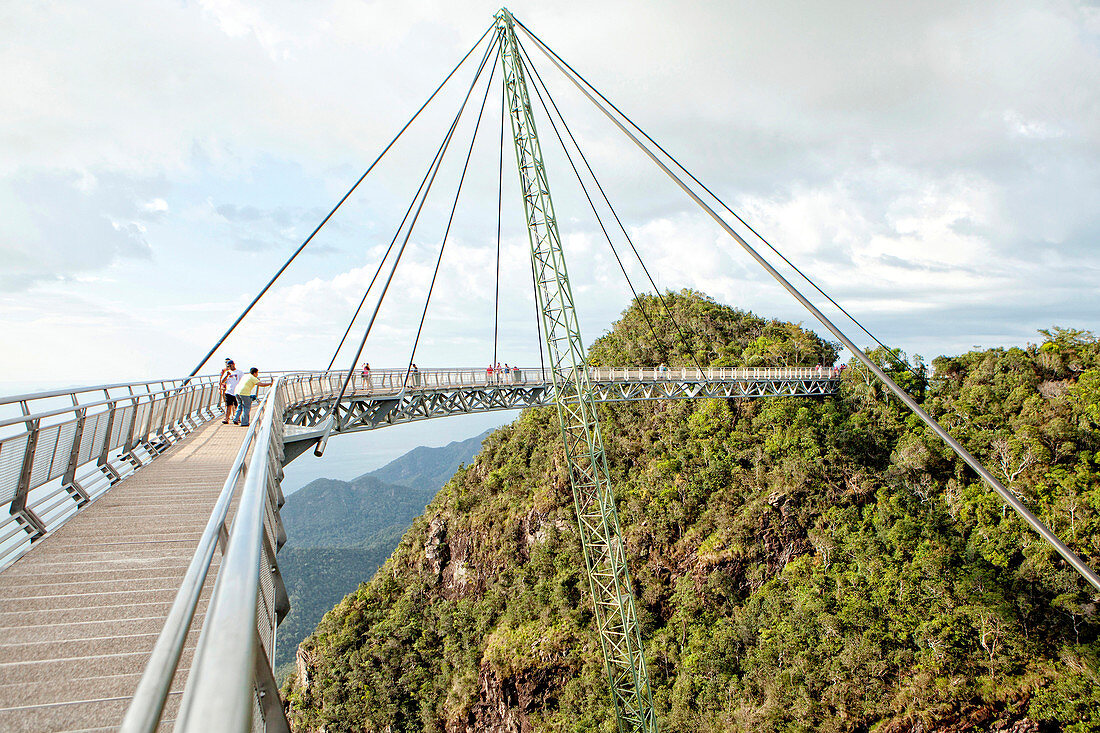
<point>605,558</point>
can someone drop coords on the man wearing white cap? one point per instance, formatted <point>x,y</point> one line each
<point>228,385</point>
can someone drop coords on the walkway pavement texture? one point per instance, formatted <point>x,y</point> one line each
<point>80,612</point>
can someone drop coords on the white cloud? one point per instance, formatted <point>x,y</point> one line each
<point>61,224</point>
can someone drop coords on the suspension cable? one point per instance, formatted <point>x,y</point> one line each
<point>450,219</point>
<point>660,298</point>
<point>551,53</point>
<point>990,480</point>
<point>397,259</point>
<point>599,220</point>
<point>330,214</point>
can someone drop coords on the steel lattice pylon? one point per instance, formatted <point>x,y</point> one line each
<point>605,558</point>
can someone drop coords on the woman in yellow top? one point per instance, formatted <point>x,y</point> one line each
<point>246,389</point>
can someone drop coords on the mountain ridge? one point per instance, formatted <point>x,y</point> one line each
<point>799,564</point>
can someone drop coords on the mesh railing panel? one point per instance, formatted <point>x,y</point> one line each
<point>141,419</point>
<point>65,438</point>
<point>121,428</point>
<point>12,451</point>
<point>265,604</point>
<point>258,723</point>
<point>100,433</point>
<point>43,454</point>
<point>159,407</point>
<point>269,522</point>
<point>171,410</point>
<point>89,440</point>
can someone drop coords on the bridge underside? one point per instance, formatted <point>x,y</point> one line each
<point>306,420</point>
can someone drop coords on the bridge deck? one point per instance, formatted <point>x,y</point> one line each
<point>80,614</point>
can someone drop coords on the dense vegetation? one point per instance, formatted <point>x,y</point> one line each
<point>801,564</point>
<point>316,579</point>
<point>340,532</point>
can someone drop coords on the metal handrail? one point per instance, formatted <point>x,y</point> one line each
<point>52,468</point>
<point>152,691</point>
<point>101,403</point>
<point>168,387</point>
<point>219,687</point>
<point>228,643</point>
<point>29,396</point>
<point>56,460</point>
<point>175,382</point>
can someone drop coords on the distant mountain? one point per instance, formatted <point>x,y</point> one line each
<point>430,468</point>
<point>347,514</point>
<point>340,532</point>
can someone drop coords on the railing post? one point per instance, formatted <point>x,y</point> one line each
<point>184,399</point>
<point>149,423</point>
<point>106,450</point>
<point>128,446</point>
<point>166,418</point>
<point>69,479</point>
<point>189,406</point>
<point>19,502</point>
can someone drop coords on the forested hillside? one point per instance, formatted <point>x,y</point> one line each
<point>340,532</point>
<point>801,564</point>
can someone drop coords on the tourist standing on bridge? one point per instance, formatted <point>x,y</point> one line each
<point>489,374</point>
<point>227,383</point>
<point>366,374</point>
<point>246,392</point>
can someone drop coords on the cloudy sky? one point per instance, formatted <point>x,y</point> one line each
<point>935,165</point>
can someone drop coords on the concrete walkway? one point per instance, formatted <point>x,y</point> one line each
<point>81,611</point>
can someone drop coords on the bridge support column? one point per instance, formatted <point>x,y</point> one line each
<point>605,558</point>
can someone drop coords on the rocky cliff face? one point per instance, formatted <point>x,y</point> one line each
<point>799,564</point>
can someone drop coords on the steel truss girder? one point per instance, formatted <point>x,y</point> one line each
<point>367,412</point>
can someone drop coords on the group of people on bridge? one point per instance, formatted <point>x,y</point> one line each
<point>238,391</point>
<point>501,374</point>
<point>412,376</point>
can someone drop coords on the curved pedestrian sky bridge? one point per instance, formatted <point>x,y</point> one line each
<point>109,499</point>
<point>139,579</point>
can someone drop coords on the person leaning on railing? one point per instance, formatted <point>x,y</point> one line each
<point>246,392</point>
